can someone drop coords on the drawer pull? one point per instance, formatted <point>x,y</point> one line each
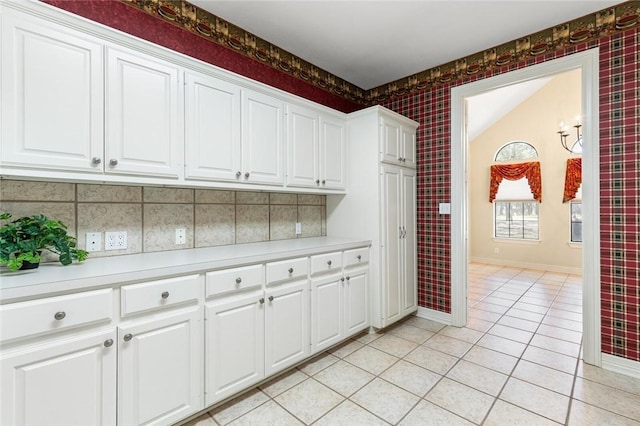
<point>127,337</point>
<point>342,279</point>
<point>165,295</point>
<point>238,173</point>
<point>108,343</point>
<point>291,270</point>
<point>359,257</point>
<point>60,315</point>
<point>270,298</point>
<point>329,262</point>
<point>246,175</point>
<point>96,160</point>
<point>113,162</point>
<point>348,277</point>
<point>261,300</point>
<point>238,280</point>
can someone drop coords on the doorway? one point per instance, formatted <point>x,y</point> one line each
<point>587,62</point>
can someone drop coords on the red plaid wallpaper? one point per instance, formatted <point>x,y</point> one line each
<point>428,104</point>
<point>619,187</point>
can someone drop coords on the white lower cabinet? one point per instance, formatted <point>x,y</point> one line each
<point>286,325</point>
<point>356,301</point>
<point>326,311</point>
<point>234,354</point>
<point>65,382</point>
<point>160,368</point>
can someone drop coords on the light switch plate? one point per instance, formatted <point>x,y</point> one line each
<point>444,208</point>
<point>298,228</point>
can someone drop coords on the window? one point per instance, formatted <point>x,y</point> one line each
<point>516,151</point>
<point>517,220</point>
<point>576,221</point>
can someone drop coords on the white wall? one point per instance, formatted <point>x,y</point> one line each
<point>534,121</point>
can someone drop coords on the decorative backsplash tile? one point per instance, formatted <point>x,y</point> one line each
<point>160,222</point>
<point>252,223</point>
<point>150,215</point>
<point>109,193</point>
<point>214,196</point>
<point>37,191</point>
<point>167,195</point>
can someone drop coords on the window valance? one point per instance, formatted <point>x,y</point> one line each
<point>530,170</point>
<point>572,179</point>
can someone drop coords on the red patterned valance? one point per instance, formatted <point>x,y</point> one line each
<point>572,179</point>
<point>514,172</point>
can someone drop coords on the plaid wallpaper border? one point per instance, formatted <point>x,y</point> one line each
<point>619,186</point>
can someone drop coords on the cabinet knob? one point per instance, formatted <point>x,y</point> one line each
<point>238,173</point>
<point>329,262</point>
<point>261,300</point>
<point>359,257</point>
<point>317,181</point>
<point>342,279</point>
<point>96,160</point>
<point>324,181</point>
<point>127,337</point>
<point>270,298</point>
<point>165,295</point>
<point>238,280</point>
<point>113,162</point>
<point>246,175</point>
<point>60,315</point>
<point>108,343</point>
<point>348,277</point>
<point>291,270</point>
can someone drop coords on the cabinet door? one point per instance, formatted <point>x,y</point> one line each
<point>286,326</point>
<point>52,96</point>
<point>409,263</point>
<point>391,247</point>
<point>160,371</point>
<point>262,139</point>
<point>234,339</point>
<point>356,302</point>
<point>390,148</point>
<point>67,382</point>
<point>302,147</point>
<point>408,147</point>
<point>333,153</point>
<point>143,125</point>
<point>212,129</point>
<point>326,311</point>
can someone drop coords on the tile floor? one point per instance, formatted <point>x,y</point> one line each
<point>515,363</point>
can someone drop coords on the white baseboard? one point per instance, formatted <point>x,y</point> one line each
<point>621,365</point>
<point>430,314</point>
<point>519,264</point>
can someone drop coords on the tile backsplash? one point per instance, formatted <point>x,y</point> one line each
<point>150,215</point>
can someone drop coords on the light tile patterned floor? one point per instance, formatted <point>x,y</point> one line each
<point>516,362</point>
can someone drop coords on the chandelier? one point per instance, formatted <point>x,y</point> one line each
<point>576,146</point>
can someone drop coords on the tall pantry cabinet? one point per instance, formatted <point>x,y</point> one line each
<point>381,206</point>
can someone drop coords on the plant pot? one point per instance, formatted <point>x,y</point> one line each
<point>28,265</point>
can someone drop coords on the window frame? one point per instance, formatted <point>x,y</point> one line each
<point>519,238</point>
<point>495,156</point>
<point>571,222</point>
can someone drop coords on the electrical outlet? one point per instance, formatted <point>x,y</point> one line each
<point>93,241</point>
<point>298,228</point>
<point>115,240</point>
<point>181,236</point>
<point>496,250</point>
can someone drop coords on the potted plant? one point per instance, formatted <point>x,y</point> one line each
<point>22,240</point>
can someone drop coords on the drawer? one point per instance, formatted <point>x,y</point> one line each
<point>359,256</point>
<point>287,269</point>
<point>51,314</point>
<point>236,279</point>
<point>329,262</point>
<point>158,294</point>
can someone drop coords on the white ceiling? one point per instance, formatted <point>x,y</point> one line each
<point>370,43</point>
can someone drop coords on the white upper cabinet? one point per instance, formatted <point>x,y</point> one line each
<point>302,144</point>
<point>52,96</point>
<point>143,125</point>
<point>398,143</point>
<point>316,149</point>
<point>212,128</point>
<point>262,138</point>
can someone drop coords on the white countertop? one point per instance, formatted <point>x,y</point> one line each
<point>53,278</point>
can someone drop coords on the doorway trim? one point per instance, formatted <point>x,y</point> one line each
<point>587,62</point>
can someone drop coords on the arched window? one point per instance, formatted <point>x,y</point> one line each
<point>516,151</point>
<point>516,211</point>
